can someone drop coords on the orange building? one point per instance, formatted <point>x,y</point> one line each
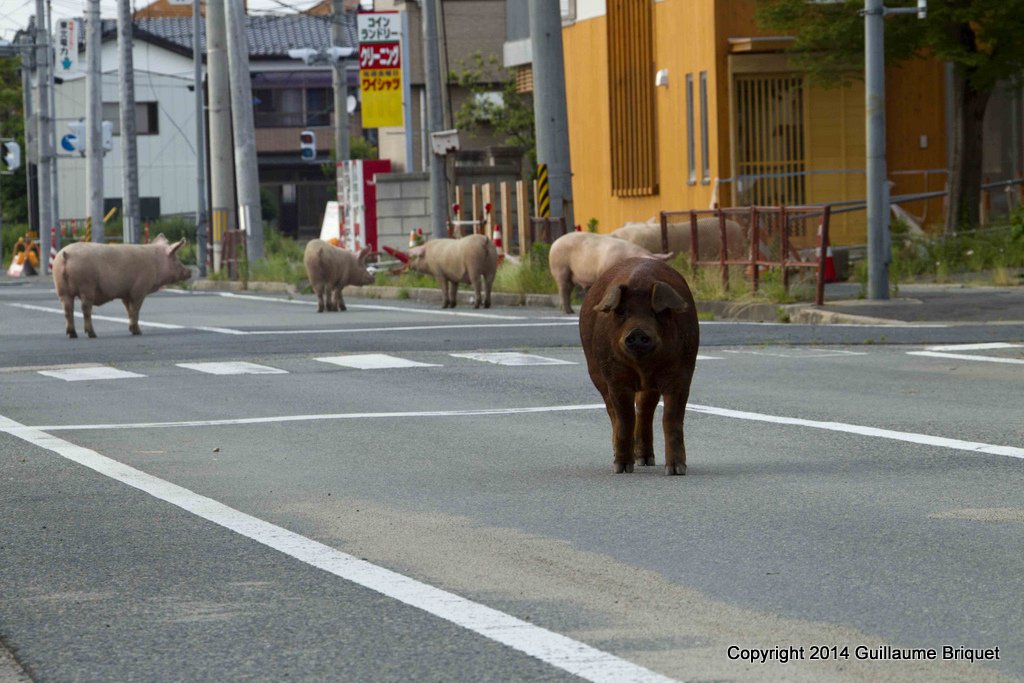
<point>680,104</point>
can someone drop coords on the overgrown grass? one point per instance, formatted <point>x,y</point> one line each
<point>993,251</point>
<point>530,275</point>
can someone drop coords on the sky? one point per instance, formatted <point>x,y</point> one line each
<point>14,14</point>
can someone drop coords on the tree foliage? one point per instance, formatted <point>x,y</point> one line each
<point>980,38</point>
<point>12,125</point>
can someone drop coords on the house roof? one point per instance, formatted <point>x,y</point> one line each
<point>269,36</point>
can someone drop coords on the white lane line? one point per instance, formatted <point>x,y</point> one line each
<point>374,361</point>
<point>86,374</point>
<point>910,437</point>
<point>943,351</point>
<point>78,315</point>
<point>549,647</point>
<point>512,358</point>
<point>798,353</point>
<point>232,368</point>
<point>370,307</point>
<point>701,356</point>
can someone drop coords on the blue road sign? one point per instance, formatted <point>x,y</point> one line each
<point>69,142</point>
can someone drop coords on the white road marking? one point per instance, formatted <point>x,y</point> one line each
<point>374,361</point>
<point>798,353</point>
<point>232,368</point>
<point>512,358</point>
<point>552,648</point>
<point>943,352</point>
<point>701,356</point>
<point>91,373</point>
<point>910,437</point>
<point>371,307</point>
<point>44,309</point>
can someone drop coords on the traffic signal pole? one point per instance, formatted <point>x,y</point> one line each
<point>94,120</point>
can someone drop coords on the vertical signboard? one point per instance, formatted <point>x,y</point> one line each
<point>67,46</point>
<point>380,68</point>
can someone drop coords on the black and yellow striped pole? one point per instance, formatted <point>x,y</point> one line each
<point>543,193</point>
<point>219,223</point>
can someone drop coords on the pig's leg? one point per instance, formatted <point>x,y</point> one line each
<point>672,422</point>
<point>620,406</point>
<point>339,300</point>
<point>643,432</point>
<point>478,300</point>
<point>564,280</point>
<point>488,284</point>
<point>443,281</point>
<point>69,316</point>
<point>320,305</point>
<point>87,315</point>
<point>454,298</point>
<point>132,307</point>
<point>330,301</point>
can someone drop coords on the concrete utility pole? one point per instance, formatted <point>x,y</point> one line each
<point>129,151</point>
<point>435,116</point>
<point>94,119</point>
<point>45,122</point>
<point>339,79</point>
<point>879,239</point>
<point>31,146</point>
<point>197,64</point>
<point>250,215</point>
<point>549,110</point>
<point>222,175</point>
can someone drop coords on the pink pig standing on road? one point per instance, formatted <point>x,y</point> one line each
<point>98,273</point>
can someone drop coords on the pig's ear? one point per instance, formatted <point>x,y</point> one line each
<point>178,245</point>
<point>611,299</point>
<point>664,297</point>
<point>364,254</point>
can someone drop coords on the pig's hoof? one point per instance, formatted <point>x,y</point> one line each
<point>621,467</point>
<point>342,308</point>
<point>675,469</point>
<point>72,334</point>
<point>645,460</point>
<point>92,335</point>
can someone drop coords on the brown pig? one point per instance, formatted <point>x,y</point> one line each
<point>638,325</point>
<point>579,258</point>
<point>98,273</point>
<point>467,260</point>
<point>330,269</point>
<point>709,237</point>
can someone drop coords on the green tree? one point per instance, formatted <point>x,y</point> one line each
<point>980,38</point>
<point>511,114</point>
<point>12,125</point>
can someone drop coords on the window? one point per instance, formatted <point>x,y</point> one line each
<point>691,139</point>
<point>147,119</point>
<point>292,107</point>
<point>705,161</point>
<point>319,104</point>
<point>631,98</point>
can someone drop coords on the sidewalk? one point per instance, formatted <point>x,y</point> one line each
<point>925,303</point>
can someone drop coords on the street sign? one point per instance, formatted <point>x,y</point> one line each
<point>69,143</point>
<point>67,47</point>
<point>380,69</point>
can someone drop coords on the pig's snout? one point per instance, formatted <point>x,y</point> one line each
<point>639,342</point>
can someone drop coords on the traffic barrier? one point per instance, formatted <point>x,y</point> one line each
<point>497,243</point>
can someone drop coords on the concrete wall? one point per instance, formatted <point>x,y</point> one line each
<point>403,204</point>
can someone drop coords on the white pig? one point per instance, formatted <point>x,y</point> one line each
<point>98,273</point>
<point>332,268</point>
<point>709,242</point>
<point>579,258</point>
<point>467,260</point>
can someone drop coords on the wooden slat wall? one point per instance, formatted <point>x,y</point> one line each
<point>631,98</point>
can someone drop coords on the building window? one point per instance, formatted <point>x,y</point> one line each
<point>770,151</point>
<point>292,107</point>
<point>631,98</point>
<point>319,105</point>
<point>691,138</point>
<point>147,118</point>
<point>704,146</point>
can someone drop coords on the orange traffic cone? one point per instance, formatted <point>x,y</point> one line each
<point>497,243</point>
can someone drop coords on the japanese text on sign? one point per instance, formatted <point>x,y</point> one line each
<point>376,27</point>
<point>380,56</point>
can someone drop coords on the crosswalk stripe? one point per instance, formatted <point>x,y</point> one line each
<point>512,358</point>
<point>374,361</point>
<point>85,374</point>
<point>232,368</point>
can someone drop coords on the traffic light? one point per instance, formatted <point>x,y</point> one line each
<point>12,155</point>
<point>308,147</point>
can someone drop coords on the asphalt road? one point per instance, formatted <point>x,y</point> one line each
<point>852,492</point>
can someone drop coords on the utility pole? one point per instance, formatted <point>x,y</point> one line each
<point>43,82</point>
<point>94,119</point>
<point>222,175</point>
<point>129,150</point>
<point>549,109</point>
<point>25,41</point>
<point>52,90</point>
<point>879,241</point>
<point>339,79</point>
<point>197,64</point>
<point>435,116</point>
<point>250,215</point>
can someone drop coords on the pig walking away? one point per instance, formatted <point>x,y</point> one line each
<point>330,269</point>
<point>98,273</point>
<point>579,258</point>
<point>639,331</point>
<point>468,260</point>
